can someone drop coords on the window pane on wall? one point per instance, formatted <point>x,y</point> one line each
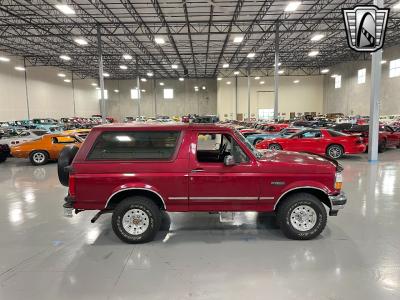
<point>168,93</point>
<point>362,74</point>
<point>134,94</point>
<point>394,68</point>
<point>266,114</point>
<point>338,82</point>
<point>105,94</point>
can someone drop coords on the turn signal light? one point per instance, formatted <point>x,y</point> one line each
<point>338,185</point>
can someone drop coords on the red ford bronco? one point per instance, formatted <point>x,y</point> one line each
<point>135,171</point>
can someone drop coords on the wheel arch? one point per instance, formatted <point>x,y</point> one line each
<point>120,195</point>
<point>317,192</point>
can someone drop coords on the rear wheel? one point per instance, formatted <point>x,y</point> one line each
<point>335,151</point>
<point>136,220</point>
<point>302,217</point>
<point>39,158</point>
<point>275,147</point>
<point>382,146</point>
<point>256,141</point>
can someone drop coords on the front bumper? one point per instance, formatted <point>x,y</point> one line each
<point>337,202</point>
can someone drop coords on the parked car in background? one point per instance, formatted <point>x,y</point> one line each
<point>23,136</point>
<point>319,141</point>
<point>178,171</point>
<point>206,119</point>
<point>49,125</point>
<point>284,133</point>
<point>4,152</point>
<point>129,119</point>
<point>81,133</point>
<point>44,149</point>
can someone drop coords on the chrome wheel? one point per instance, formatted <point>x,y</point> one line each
<point>335,152</point>
<point>275,147</point>
<point>303,218</point>
<point>135,221</point>
<point>39,157</point>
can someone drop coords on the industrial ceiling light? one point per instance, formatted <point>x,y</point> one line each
<point>279,64</point>
<point>262,82</point>
<point>313,53</point>
<point>143,79</point>
<point>105,74</point>
<point>281,71</point>
<point>159,40</point>
<point>228,82</point>
<point>150,74</point>
<point>94,84</point>
<point>238,39</point>
<point>292,6</point>
<point>65,9</point>
<point>203,87</point>
<point>383,62</point>
<point>127,56</point>
<point>257,78</point>
<point>236,72</point>
<point>174,67</point>
<point>19,68</point>
<point>181,79</point>
<point>334,75</point>
<point>251,55</point>
<point>123,67</point>
<point>116,91</point>
<point>396,6</point>
<point>324,71</point>
<point>81,41</point>
<point>5,59</point>
<point>143,91</point>
<point>296,81</point>
<point>317,37</point>
<point>61,75</point>
<point>67,80</point>
<point>219,78</point>
<point>162,83</point>
<point>65,57</point>
<point>225,66</point>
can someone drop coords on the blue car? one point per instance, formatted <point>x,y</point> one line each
<point>256,138</point>
<point>50,125</point>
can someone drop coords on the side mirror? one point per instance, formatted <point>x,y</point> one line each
<point>229,160</point>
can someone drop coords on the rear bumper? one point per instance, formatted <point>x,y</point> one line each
<point>337,202</point>
<point>360,148</point>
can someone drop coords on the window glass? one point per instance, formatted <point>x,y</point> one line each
<point>137,145</point>
<point>105,94</point>
<point>168,93</point>
<point>362,74</point>
<point>310,134</point>
<point>135,94</point>
<point>336,133</point>
<point>338,81</point>
<point>394,68</point>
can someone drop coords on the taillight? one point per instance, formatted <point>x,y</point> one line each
<point>71,185</point>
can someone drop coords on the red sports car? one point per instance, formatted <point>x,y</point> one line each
<point>319,141</point>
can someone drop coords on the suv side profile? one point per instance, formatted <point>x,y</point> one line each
<point>135,171</point>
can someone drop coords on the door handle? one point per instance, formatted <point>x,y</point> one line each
<point>197,170</point>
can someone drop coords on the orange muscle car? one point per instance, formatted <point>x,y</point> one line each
<point>46,148</point>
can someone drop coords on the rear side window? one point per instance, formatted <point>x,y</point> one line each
<point>137,145</point>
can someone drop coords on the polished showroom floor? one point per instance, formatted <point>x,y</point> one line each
<point>46,256</point>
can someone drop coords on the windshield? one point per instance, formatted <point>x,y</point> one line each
<point>256,153</point>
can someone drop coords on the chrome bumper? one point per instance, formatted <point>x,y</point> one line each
<point>337,202</point>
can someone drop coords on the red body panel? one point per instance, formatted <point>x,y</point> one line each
<point>255,185</point>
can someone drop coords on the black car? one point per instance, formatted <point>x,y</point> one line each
<point>4,152</point>
<point>206,119</point>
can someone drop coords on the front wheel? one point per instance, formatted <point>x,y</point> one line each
<point>335,151</point>
<point>39,158</point>
<point>275,147</point>
<point>136,220</point>
<point>302,217</point>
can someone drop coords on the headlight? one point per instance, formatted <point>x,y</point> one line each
<point>338,181</point>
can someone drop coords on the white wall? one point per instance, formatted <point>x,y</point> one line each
<point>305,96</point>
<point>48,95</point>
<point>353,98</point>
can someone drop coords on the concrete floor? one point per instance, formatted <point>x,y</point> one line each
<point>46,256</point>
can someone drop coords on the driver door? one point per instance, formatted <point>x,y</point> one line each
<point>213,186</point>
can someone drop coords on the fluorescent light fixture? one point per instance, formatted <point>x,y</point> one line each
<point>281,71</point>
<point>150,74</point>
<point>61,75</point>
<point>219,78</point>
<point>324,71</point>
<point>5,59</point>
<point>116,91</point>
<point>196,87</point>
<point>251,55</point>
<point>174,67</point>
<point>396,6</point>
<point>162,83</point>
<point>80,41</point>
<point>228,82</point>
<point>279,64</point>
<point>94,84</point>
<point>238,39</point>
<point>67,80</point>
<point>296,81</point>
<point>317,37</point>
<point>203,87</point>
<point>19,68</point>
<point>383,62</point>
<point>65,57</point>
<point>236,72</point>
<point>97,88</point>
<point>143,79</point>
<point>105,74</point>
<point>159,40</point>
<point>123,67</point>
<point>127,56</point>
<point>65,9</point>
<point>313,53</point>
<point>262,82</point>
<point>334,75</point>
<point>225,66</point>
<point>257,78</point>
<point>143,91</point>
<point>181,79</point>
<point>292,6</point>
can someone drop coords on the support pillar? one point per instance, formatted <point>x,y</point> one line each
<point>235,104</point>
<point>101,77</point>
<point>248,94</point>
<point>138,86</point>
<point>276,73</point>
<point>26,91</point>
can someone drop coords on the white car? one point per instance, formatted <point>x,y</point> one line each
<point>24,136</point>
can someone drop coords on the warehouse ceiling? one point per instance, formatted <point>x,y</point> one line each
<point>199,36</point>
